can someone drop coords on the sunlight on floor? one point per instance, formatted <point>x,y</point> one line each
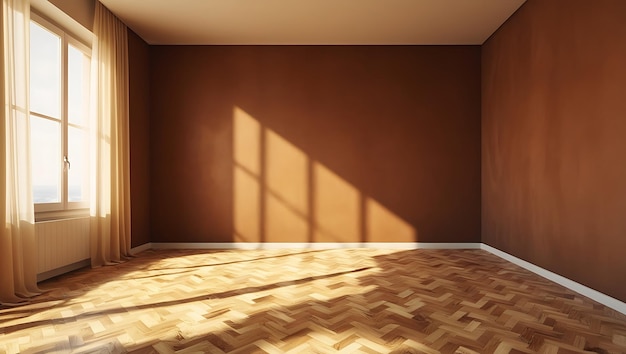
<point>346,300</point>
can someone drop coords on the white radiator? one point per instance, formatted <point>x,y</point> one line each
<point>63,246</point>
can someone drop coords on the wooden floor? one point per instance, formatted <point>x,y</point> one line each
<point>275,301</point>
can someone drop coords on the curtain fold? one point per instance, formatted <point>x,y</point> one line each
<point>18,249</point>
<point>110,156</point>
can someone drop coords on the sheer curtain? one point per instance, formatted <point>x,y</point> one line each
<point>110,190</point>
<point>18,260</point>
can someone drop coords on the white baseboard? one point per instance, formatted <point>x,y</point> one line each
<point>145,246</point>
<point>316,246</point>
<point>595,295</point>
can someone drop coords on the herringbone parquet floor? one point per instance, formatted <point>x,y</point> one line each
<point>276,301</point>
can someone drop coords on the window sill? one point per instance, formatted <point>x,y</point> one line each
<point>43,216</point>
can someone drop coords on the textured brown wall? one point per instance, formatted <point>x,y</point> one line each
<point>317,143</point>
<point>554,140</point>
<point>139,116</point>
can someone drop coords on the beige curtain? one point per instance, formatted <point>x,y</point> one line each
<point>18,250</point>
<point>110,190</point>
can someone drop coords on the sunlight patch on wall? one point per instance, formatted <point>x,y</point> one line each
<point>384,226</point>
<point>286,198</point>
<point>246,184</point>
<point>246,141</point>
<point>282,195</point>
<point>246,205</point>
<point>286,172</point>
<point>284,224</point>
<point>336,206</point>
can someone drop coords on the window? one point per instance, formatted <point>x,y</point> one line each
<point>59,113</point>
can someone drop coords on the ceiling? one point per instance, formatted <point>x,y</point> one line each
<point>314,21</point>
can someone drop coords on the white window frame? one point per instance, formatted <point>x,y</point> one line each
<point>64,208</point>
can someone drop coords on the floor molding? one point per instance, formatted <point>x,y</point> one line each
<point>595,295</point>
<point>141,248</point>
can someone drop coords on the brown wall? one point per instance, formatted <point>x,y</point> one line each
<point>80,10</point>
<point>317,143</point>
<point>139,116</point>
<point>554,140</point>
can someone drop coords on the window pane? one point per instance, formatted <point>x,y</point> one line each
<point>77,86</point>
<point>45,71</point>
<point>77,174</point>
<point>46,160</point>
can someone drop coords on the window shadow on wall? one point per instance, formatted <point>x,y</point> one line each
<point>280,194</point>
